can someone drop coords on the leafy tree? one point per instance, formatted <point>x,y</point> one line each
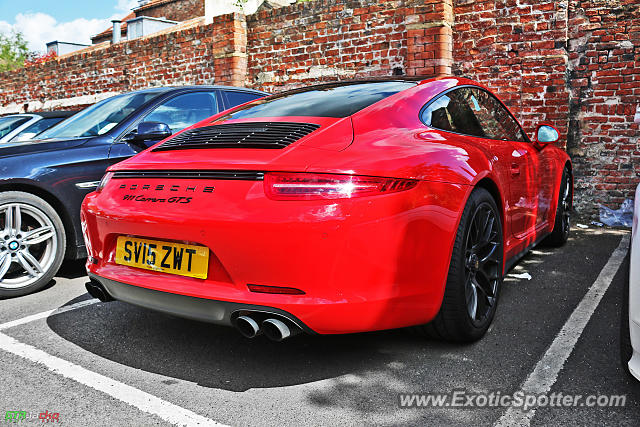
<point>13,51</point>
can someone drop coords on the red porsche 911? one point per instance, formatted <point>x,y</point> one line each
<point>337,208</point>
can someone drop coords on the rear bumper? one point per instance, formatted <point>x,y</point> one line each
<point>364,264</point>
<point>206,310</point>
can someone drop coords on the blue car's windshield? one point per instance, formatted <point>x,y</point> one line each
<point>101,117</point>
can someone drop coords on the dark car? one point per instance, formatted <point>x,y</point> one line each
<point>43,181</point>
<point>23,127</point>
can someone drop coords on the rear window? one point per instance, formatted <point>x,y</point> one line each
<point>339,100</point>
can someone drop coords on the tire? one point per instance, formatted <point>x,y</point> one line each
<point>467,270</point>
<point>562,225</point>
<point>626,351</point>
<point>31,248</point>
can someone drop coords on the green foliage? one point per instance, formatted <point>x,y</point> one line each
<point>239,3</point>
<point>13,51</point>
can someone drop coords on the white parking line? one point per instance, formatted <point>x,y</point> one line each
<point>546,371</point>
<point>47,313</point>
<point>144,401</point>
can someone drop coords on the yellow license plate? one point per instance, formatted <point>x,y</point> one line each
<point>172,258</point>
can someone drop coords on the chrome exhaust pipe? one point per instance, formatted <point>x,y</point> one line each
<point>277,330</point>
<point>247,326</point>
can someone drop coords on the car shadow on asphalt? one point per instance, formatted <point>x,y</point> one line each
<point>219,357</point>
<point>72,269</point>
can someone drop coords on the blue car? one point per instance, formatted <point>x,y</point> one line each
<point>43,182</point>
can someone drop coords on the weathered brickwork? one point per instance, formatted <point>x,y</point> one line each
<point>575,63</point>
<point>329,40</point>
<point>518,49</point>
<point>184,57</point>
<point>230,49</point>
<point>572,63</point>
<point>175,10</point>
<point>604,80</point>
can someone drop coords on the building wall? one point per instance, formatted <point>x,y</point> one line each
<point>184,57</point>
<point>328,40</point>
<point>604,83</point>
<point>574,63</point>
<point>174,10</point>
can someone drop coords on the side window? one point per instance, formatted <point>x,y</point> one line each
<point>474,112</point>
<point>36,128</point>
<point>9,124</point>
<point>453,112</point>
<point>184,110</point>
<point>235,97</point>
<point>496,121</point>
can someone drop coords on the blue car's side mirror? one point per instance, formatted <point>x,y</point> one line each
<point>149,131</point>
<point>153,131</point>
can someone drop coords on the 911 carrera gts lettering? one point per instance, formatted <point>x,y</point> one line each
<point>180,200</point>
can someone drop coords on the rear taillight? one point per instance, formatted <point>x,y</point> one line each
<point>105,179</point>
<point>318,186</point>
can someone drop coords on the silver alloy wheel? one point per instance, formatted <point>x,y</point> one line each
<point>28,245</point>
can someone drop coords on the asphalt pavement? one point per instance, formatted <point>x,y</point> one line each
<point>116,364</point>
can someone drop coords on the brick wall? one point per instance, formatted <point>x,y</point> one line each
<point>516,48</point>
<point>184,57</point>
<point>175,10</point>
<point>604,80</point>
<point>311,41</point>
<point>327,40</point>
<point>572,63</point>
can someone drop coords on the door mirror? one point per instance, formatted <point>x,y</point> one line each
<point>149,131</point>
<point>546,134</point>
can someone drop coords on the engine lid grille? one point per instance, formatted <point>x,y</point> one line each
<point>270,135</point>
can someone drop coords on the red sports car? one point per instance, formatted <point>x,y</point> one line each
<point>337,208</point>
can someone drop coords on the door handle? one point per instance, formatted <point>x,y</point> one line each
<point>515,169</point>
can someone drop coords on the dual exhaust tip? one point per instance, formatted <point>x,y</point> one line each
<point>274,329</point>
